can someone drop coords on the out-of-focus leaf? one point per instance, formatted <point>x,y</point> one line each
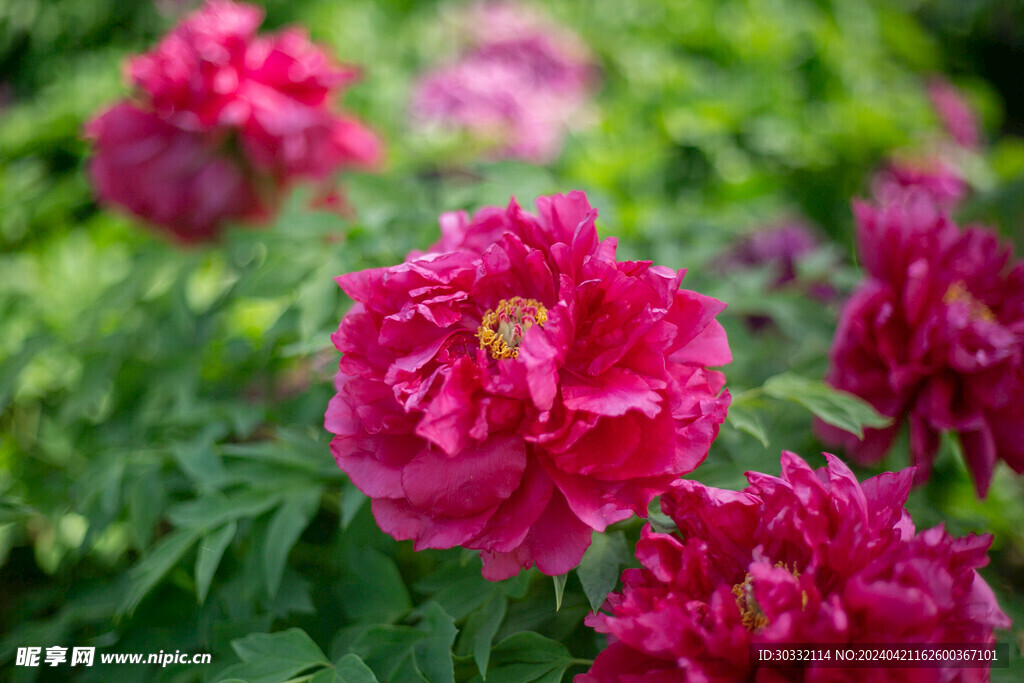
<point>838,408</point>
<point>373,589</point>
<point>214,509</point>
<point>198,458</point>
<point>145,498</point>
<point>286,526</point>
<point>352,500</point>
<point>601,565</point>
<point>208,556</point>
<point>14,511</point>
<point>143,576</point>
<point>11,368</point>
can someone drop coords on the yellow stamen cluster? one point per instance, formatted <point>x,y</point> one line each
<point>751,615</point>
<point>750,612</point>
<point>957,293</point>
<point>502,329</point>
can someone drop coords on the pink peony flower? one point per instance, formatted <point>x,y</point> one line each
<point>811,557</point>
<point>519,89</point>
<point>258,104</point>
<point>956,114</point>
<point>517,387</point>
<point>169,176</point>
<point>903,181</point>
<point>554,57</point>
<point>934,336</point>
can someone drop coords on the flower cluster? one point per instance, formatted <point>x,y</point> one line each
<point>517,387</point>
<point>934,336</point>
<point>222,122</point>
<point>811,557</point>
<point>517,88</point>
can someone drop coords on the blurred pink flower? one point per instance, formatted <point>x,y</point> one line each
<point>172,177</point>
<point>259,104</point>
<point>903,181</point>
<point>778,247</point>
<point>519,88</point>
<point>811,557</point>
<point>517,387</point>
<point>959,120</point>
<point>934,335</point>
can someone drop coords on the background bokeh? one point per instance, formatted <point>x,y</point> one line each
<point>165,480</point>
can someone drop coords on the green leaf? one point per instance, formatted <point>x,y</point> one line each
<point>480,629</point>
<point>525,657</point>
<point>145,501</point>
<point>284,530</point>
<point>148,572</point>
<point>837,408</point>
<point>374,590</point>
<point>317,300</point>
<point>352,669</point>
<point>11,368</point>
<point>559,589</point>
<point>386,648</point>
<point>457,586</point>
<point>215,509</point>
<point>327,676</point>
<point>198,459</point>
<point>748,421</point>
<point>291,450</point>
<point>15,511</point>
<point>274,657</point>
<point>208,556</point>
<point>601,565</point>
<point>434,655</point>
<point>352,500</point>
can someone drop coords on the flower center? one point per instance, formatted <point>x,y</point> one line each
<point>751,615</point>
<point>957,293</point>
<point>502,328</point>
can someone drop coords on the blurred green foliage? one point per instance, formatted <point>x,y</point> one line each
<point>165,480</point>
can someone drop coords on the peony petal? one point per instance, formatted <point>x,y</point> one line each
<point>709,347</point>
<point>476,479</point>
<point>611,393</point>
<point>403,522</point>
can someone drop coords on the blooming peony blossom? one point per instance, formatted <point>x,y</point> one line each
<point>956,114</point>
<point>934,336</point>
<point>517,387</point>
<point>520,87</point>
<point>258,105</point>
<point>811,557</point>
